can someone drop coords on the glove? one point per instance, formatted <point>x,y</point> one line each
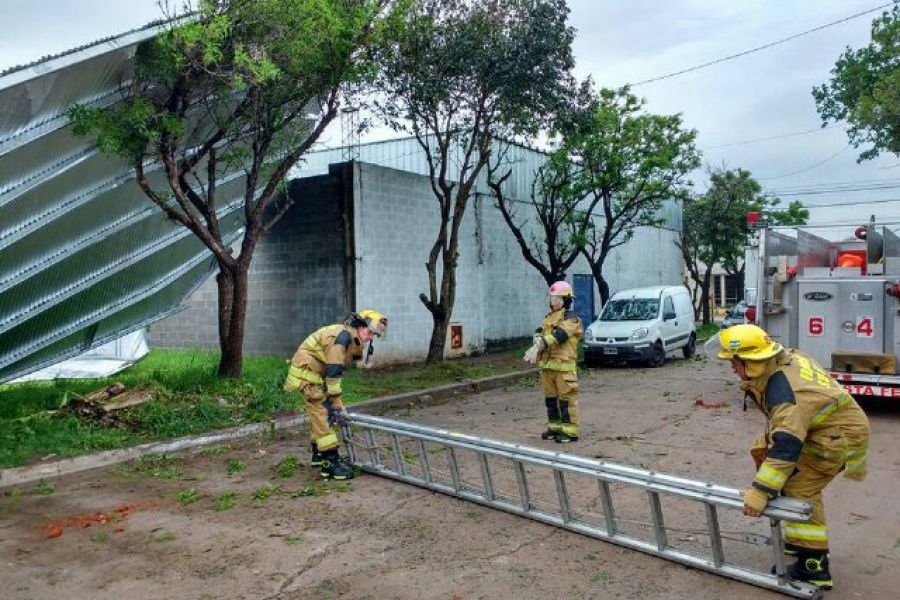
<point>755,499</point>
<point>532,353</point>
<point>341,417</point>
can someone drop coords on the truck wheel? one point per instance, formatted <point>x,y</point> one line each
<point>591,362</point>
<point>691,347</point>
<point>657,355</point>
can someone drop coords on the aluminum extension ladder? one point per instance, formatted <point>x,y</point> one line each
<point>410,453</point>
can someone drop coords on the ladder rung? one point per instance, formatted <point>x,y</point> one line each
<point>397,454</point>
<point>659,526</point>
<point>454,467</point>
<point>563,495</point>
<point>426,466</point>
<point>522,483</point>
<point>486,477</point>
<point>715,536</point>
<point>608,510</point>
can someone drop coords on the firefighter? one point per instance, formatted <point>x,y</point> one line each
<point>555,350</point>
<point>316,370</point>
<point>814,431</point>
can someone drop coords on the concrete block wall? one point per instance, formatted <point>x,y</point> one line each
<point>297,279</point>
<point>499,296</point>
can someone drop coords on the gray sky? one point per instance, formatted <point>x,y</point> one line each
<point>761,95</point>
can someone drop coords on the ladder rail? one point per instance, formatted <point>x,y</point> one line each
<point>780,508</point>
<point>561,465</point>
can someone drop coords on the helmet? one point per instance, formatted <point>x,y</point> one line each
<point>374,320</point>
<point>747,342</point>
<point>560,288</point>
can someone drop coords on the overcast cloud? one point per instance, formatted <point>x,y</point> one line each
<point>763,94</point>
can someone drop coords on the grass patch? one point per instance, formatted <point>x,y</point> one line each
<point>290,540</point>
<point>704,332</point>
<point>265,492</point>
<point>164,537</point>
<point>226,501</point>
<point>321,489</point>
<point>160,466</point>
<point>100,538</point>
<point>43,488</point>
<point>214,451</point>
<point>236,466</point>
<point>286,467</point>
<point>188,496</point>
<point>189,398</point>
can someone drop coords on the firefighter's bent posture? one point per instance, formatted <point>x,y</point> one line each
<point>815,430</point>
<point>555,350</point>
<point>316,370</point>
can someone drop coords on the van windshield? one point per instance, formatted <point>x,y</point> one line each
<point>630,309</point>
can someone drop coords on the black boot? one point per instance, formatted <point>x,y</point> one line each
<point>316,456</point>
<point>565,438</point>
<point>812,567</point>
<point>549,435</point>
<point>333,467</point>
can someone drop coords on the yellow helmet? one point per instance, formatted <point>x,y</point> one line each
<point>374,320</point>
<point>747,342</point>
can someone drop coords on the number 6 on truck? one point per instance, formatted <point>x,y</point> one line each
<point>816,326</point>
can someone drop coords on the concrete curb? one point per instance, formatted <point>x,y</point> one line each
<point>407,400</point>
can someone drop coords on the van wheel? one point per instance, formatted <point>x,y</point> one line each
<point>657,356</point>
<point>691,347</point>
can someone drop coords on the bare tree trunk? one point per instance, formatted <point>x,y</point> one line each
<point>705,307</point>
<point>438,339</point>
<point>231,363</point>
<point>225,299</point>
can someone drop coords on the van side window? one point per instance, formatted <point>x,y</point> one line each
<point>668,307</point>
<point>683,304</point>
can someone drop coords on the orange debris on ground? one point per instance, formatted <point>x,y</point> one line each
<point>698,401</point>
<point>119,514</point>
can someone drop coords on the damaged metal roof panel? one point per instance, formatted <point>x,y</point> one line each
<point>84,256</point>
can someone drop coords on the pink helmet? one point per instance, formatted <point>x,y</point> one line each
<point>560,288</point>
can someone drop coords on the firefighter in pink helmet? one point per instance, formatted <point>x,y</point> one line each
<point>555,350</point>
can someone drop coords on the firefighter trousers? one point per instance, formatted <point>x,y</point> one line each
<point>807,483</point>
<point>561,399</point>
<point>314,400</point>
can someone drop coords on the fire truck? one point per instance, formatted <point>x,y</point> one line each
<point>836,301</point>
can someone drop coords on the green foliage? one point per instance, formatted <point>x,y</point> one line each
<point>292,539</point>
<point>286,467</point>
<point>164,537</point>
<point>236,466</point>
<point>188,399</point>
<point>631,161</point>
<point>188,496</point>
<point>265,492</point>
<point>214,451</point>
<point>226,501</point>
<point>864,90</point>
<point>43,488</point>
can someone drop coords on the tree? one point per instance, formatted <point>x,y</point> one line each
<point>562,214</point>
<point>630,161</point>
<point>244,86</point>
<point>715,228</point>
<point>465,74</point>
<point>864,90</point>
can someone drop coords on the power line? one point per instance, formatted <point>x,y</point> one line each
<point>809,168</point>
<point>857,203</point>
<point>834,190</point>
<point>768,138</point>
<point>758,48</point>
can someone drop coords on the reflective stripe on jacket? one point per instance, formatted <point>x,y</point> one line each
<point>811,419</point>
<point>561,331</point>
<point>322,358</point>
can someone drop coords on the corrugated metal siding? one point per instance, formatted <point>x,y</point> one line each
<point>405,154</point>
<point>84,256</point>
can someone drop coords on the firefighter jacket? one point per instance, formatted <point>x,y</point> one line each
<point>561,331</point>
<point>811,419</point>
<point>322,358</point>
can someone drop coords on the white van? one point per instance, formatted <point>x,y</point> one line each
<point>642,324</point>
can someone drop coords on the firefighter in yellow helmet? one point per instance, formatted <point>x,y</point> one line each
<point>316,370</point>
<point>814,431</point>
<point>555,350</point>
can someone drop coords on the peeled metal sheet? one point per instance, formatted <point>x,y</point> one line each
<point>85,257</point>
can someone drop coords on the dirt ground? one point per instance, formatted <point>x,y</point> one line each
<point>136,530</point>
